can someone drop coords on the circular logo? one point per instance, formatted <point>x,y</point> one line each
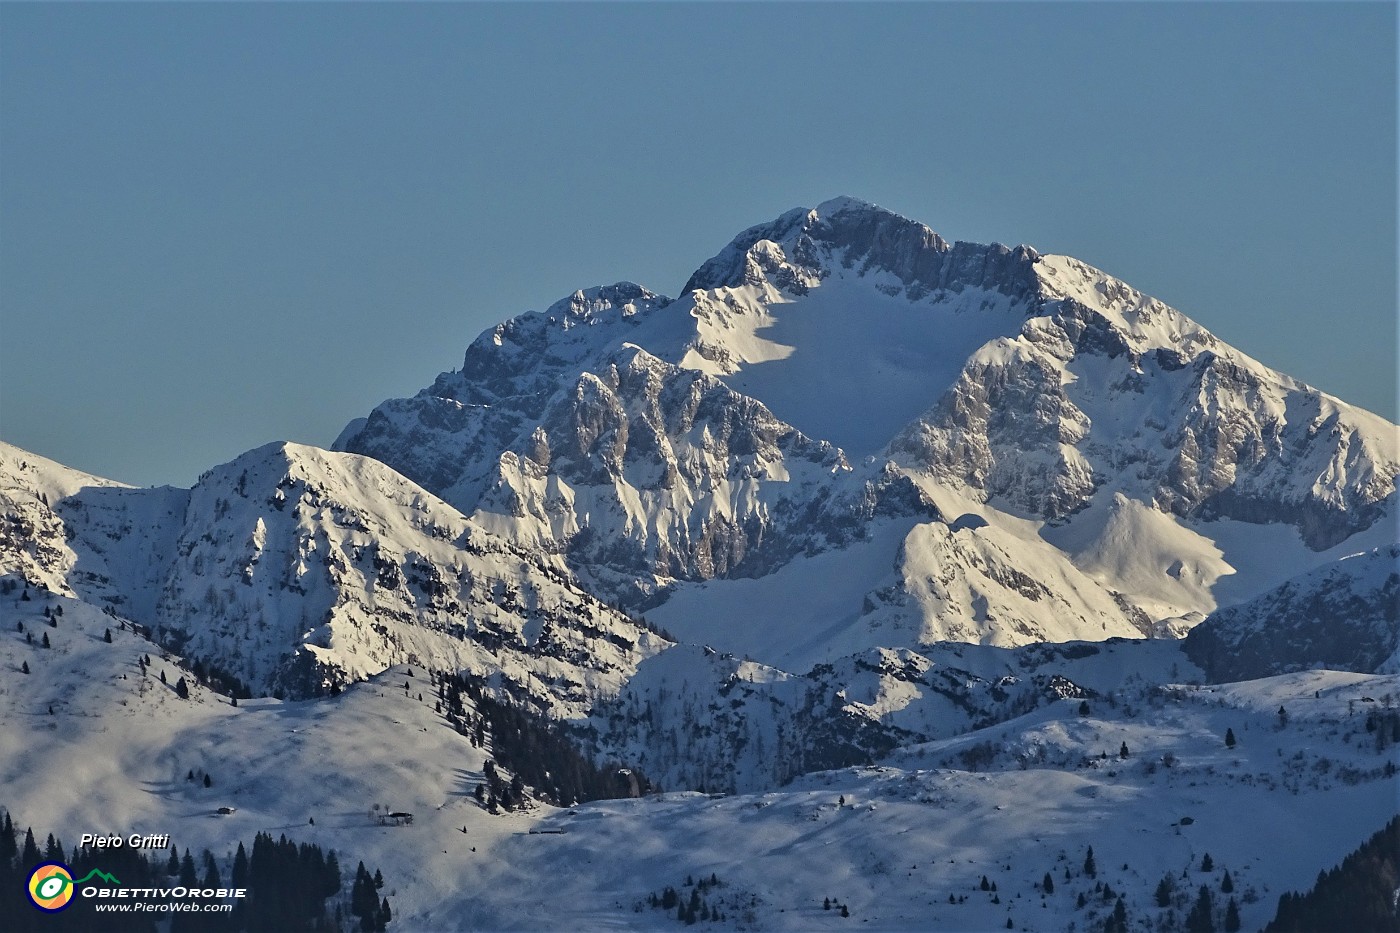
<point>51,886</point>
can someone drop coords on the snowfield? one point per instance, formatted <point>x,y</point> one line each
<point>1012,801</point>
<point>882,576</point>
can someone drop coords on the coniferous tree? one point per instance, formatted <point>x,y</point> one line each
<point>1120,917</point>
<point>1207,863</point>
<point>1232,917</point>
<point>1227,884</point>
<point>1358,894</point>
<point>1201,919</point>
<point>8,847</point>
<point>24,668</point>
<point>182,689</point>
<point>1090,869</point>
<point>331,874</point>
<point>188,877</point>
<point>240,867</point>
<point>1229,738</point>
<point>1164,891</point>
<point>211,871</point>
<point>107,636</point>
<point>46,640</point>
<point>29,853</point>
<point>1048,884</point>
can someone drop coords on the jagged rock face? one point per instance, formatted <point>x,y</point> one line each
<point>794,253</point>
<point>83,536</point>
<point>447,438</point>
<point>1008,431</point>
<point>297,571</point>
<point>1316,466</point>
<point>845,336</point>
<point>665,472</point>
<point>1344,616</point>
<point>1108,388</point>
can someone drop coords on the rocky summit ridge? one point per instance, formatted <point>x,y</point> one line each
<point>846,436</point>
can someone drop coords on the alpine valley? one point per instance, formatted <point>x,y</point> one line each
<point>875,582</point>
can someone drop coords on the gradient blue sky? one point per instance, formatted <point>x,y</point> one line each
<point>222,225</point>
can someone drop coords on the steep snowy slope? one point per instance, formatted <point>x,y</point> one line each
<point>848,319</point>
<point>306,569</point>
<point>1107,388</point>
<point>127,530</point>
<point>448,437</point>
<point>1124,458</point>
<point>1344,616</point>
<point>296,570</point>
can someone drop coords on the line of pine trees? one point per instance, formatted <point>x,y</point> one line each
<point>291,888</point>
<point>1358,895</point>
<point>535,750</point>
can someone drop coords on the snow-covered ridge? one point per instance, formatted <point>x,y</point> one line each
<point>1105,389</point>
<point>297,570</point>
<point>801,248</point>
<point>901,514</point>
<point>1052,399</point>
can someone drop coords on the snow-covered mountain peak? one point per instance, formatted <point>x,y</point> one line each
<point>844,202</point>
<point>801,248</point>
<point>653,441</point>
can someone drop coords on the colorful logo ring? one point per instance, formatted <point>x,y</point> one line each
<point>51,886</point>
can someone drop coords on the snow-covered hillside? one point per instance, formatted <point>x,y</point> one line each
<point>916,529</point>
<point>902,844</point>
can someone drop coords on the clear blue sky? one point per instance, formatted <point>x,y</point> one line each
<point>222,225</point>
